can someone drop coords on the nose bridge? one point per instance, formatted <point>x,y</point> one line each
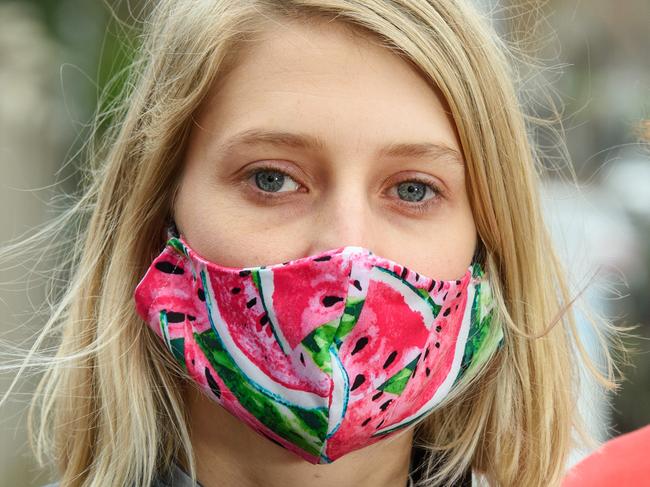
<point>344,214</point>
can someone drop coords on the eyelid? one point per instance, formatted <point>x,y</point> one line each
<point>426,205</point>
<point>439,188</point>
<point>416,207</point>
<point>266,166</point>
<point>285,168</point>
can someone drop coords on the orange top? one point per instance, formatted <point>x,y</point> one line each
<point>621,461</point>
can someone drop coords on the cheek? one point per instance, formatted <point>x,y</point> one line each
<point>442,250</point>
<point>226,229</point>
<point>459,242</point>
<point>214,226</point>
<point>455,251</point>
<point>461,238</point>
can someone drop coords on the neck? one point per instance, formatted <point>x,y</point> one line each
<point>229,453</point>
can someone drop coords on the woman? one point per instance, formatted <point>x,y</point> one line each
<point>394,132</point>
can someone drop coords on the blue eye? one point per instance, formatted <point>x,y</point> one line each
<point>412,189</point>
<point>415,188</point>
<point>270,180</point>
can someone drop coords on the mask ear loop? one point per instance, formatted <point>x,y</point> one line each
<point>170,230</point>
<point>479,254</point>
<point>479,259</point>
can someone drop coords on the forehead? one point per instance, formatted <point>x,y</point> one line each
<point>330,81</point>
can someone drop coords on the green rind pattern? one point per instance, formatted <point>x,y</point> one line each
<point>177,346</point>
<point>349,319</point>
<point>397,382</point>
<point>317,345</point>
<point>285,419</point>
<point>483,337</point>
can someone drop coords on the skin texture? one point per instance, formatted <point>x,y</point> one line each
<point>357,97</point>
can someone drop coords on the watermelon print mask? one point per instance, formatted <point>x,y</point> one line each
<point>324,354</point>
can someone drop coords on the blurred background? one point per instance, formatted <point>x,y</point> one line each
<point>56,60</point>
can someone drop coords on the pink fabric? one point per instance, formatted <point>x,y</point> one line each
<point>324,354</point>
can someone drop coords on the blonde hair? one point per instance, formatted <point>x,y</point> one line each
<point>99,407</point>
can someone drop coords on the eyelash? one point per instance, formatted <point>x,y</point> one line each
<point>418,208</point>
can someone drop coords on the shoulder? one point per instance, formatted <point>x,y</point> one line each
<point>176,478</point>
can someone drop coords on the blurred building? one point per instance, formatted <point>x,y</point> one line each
<point>33,133</point>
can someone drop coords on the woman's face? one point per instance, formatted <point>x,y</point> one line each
<point>316,140</point>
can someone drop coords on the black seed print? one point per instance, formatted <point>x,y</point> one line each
<point>212,383</point>
<point>456,306</point>
<point>323,259</point>
<point>433,284</point>
<point>235,290</point>
<point>361,342</point>
<point>404,272</point>
<point>358,380</point>
<point>331,300</point>
<point>438,328</point>
<point>385,405</point>
<point>357,284</point>
<point>264,320</point>
<point>366,421</point>
<point>302,359</point>
<point>191,318</point>
<point>447,311</point>
<point>251,303</point>
<point>192,361</point>
<point>244,273</point>
<point>201,294</point>
<point>377,396</point>
<point>440,287</point>
<point>427,371</point>
<point>379,425</point>
<point>390,358</point>
<point>414,369</point>
<point>457,282</point>
<point>174,317</point>
<point>417,276</point>
<point>444,298</point>
<point>426,352</point>
<point>285,263</point>
<point>168,268</point>
<point>458,295</point>
<point>437,344</point>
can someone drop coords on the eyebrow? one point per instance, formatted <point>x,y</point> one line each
<point>422,150</point>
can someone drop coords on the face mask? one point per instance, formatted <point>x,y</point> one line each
<point>324,354</point>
